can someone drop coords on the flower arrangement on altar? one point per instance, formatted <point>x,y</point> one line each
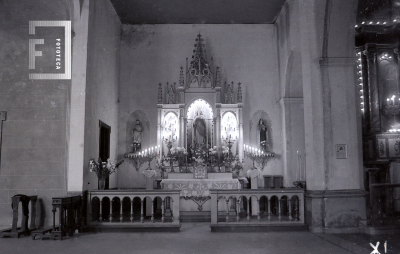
<point>218,156</point>
<point>201,153</point>
<point>178,151</point>
<point>237,166</point>
<point>180,154</point>
<point>225,150</point>
<point>103,169</point>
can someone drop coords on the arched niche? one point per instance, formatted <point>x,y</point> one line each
<point>130,125</point>
<point>229,129</point>
<point>200,126</point>
<point>254,129</point>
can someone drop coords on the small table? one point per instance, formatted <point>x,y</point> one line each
<point>69,216</point>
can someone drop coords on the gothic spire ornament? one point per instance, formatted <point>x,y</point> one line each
<point>199,73</point>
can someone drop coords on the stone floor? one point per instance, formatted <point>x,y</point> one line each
<point>197,238</point>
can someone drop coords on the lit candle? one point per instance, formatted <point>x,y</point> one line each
<point>297,171</point>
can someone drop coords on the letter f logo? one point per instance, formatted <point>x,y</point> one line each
<point>33,53</point>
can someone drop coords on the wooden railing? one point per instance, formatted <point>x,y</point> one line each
<point>384,204</point>
<point>111,207</point>
<point>273,206</point>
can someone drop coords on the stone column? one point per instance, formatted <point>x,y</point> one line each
<point>312,93</point>
<point>181,126</point>
<point>77,104</point>
<point>159,130</point>
<point>185,133</point>
<point>218,126</point>
<point>240,141</point>
<point>332,116</point>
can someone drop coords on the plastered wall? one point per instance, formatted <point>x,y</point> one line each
<point>33,160</point>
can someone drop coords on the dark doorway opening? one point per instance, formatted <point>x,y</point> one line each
<point>104,145</point>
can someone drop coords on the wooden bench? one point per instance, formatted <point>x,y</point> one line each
<point>42,231</point>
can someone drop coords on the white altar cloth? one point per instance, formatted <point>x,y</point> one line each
<point>199,187</point>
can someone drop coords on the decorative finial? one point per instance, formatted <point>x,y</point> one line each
<point>181,78</point>
<point>217,78</point>
<point>159,93</point>
<point>239,93</point>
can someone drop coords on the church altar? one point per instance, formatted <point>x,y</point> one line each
<point>200,128</point>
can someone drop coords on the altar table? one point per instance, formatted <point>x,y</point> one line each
<point>199,187</point>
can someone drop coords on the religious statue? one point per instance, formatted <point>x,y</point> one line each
<point>263,134</point>
<point>229,95</point>
<point>171,95</point>
<point>200,131</point>
<point>137,136</point>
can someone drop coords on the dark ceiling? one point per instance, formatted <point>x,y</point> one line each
<point>197,11</point>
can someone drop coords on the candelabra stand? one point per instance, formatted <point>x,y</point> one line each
<point>138,159</point>
<point>391,110</point>
<point>258,156</point>
<point>170,158</point>
<point>229,142</point>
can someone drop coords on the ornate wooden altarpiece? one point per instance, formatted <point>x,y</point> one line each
<point>192,113</point>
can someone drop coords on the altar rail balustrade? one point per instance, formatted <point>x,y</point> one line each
<point>278,206</point>
<point>128,208</point>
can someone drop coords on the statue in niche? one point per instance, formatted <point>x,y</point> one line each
<point>229,95</point>
<point>137,136</point>
<point>171,95</point>
<point>200,132</point>
<point>262,127</point>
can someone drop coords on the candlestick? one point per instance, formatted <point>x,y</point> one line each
<point>297,169</point>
